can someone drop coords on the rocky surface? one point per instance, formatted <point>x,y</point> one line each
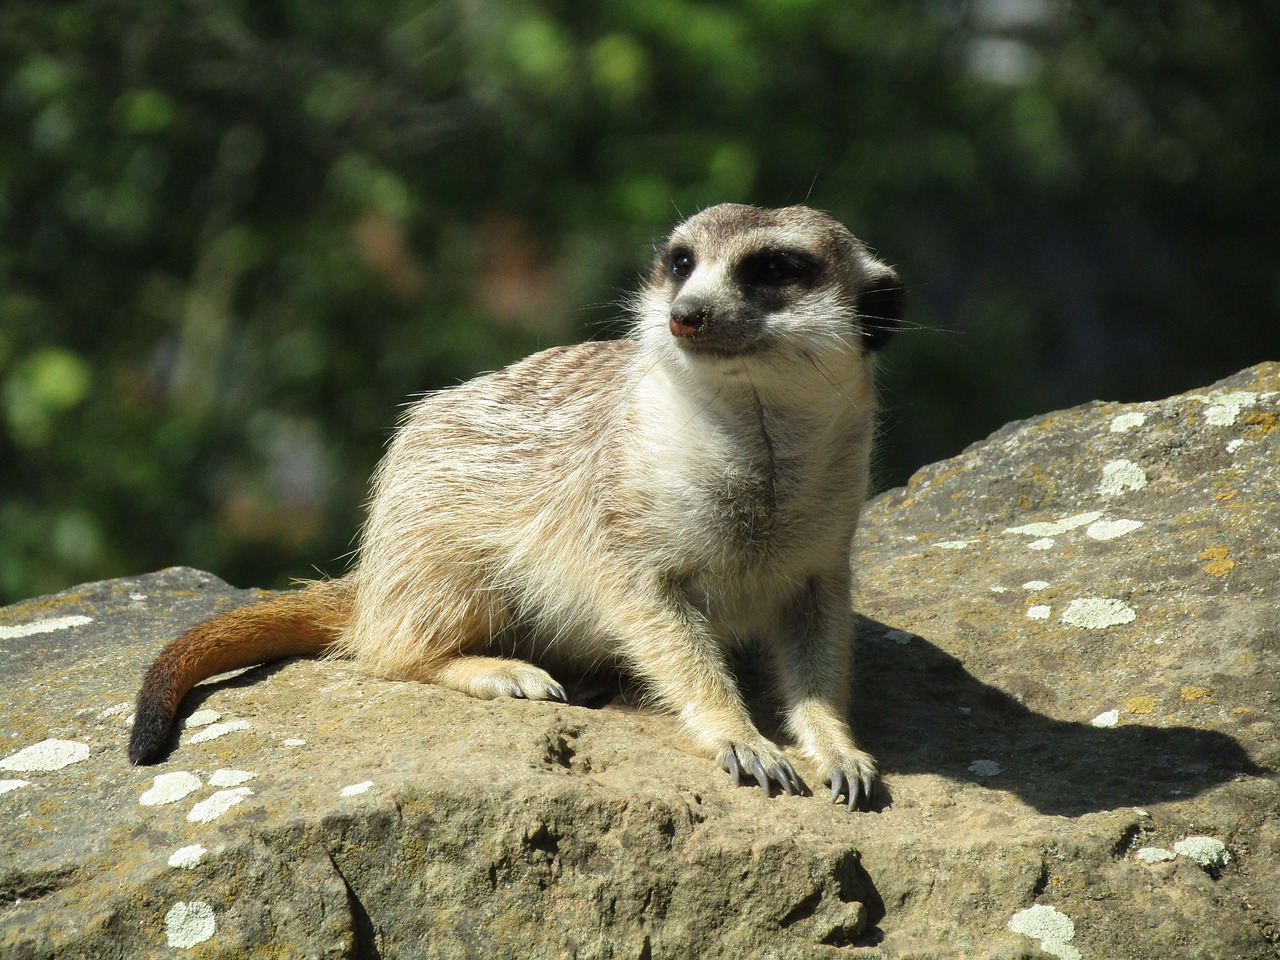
<point>1068,668</point>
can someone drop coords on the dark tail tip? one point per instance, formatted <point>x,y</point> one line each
<point>149,742</point>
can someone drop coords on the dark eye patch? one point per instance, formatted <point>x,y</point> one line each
<point>777,268</point>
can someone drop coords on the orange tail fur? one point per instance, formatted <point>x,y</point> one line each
<point>290,624</point>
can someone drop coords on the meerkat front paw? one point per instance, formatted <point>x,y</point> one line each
<point>764,762</point>
<point>853,775</point>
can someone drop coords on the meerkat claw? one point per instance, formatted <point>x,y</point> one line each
<point>762,778</point>
<point>784,774</point>
<point>732,767</point>
<point>857,790</point>
<point>748,766</point>
<point>838,785</point>
<point>556,692</point>
<point>868,788</point>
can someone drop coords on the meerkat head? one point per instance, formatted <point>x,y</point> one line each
<point>737,281</point>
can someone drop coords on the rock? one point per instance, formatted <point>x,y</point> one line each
<point>311,811</point>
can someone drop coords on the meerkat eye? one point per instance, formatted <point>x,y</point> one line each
<point>681,264</point>
<point>777,268</point>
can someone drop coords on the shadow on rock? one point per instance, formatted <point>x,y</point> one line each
<point>918,710</point>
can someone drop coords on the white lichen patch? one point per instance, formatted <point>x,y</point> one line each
<point>1120,476</point>
<point>954,544</point>
<point>1035,585</point>
<point>294,742</point>
<point>201,718</point>
<point>1053,528</point>
<point>170,788</point>
<point>356,788</point>
<point>1127,421</point>
<point>48,625</point>
<point>230,778</point>
<point>8,785</point>
<point>1050,926</point>
<point>206,811</point>
<point>1045,543</point>
<point>1095,613</point>
<point>1222,409</point>
<point>1209,853</point>
<point>1039,612</point>
<point>985,768</point>
<point>1108,718</point>
<point>1154,854</point>
<point>216,730</point>
<point>46,755</point>
<point>899,636</point>
<point>187,858</point>
<point>998,589</point>
<point>1110,529</point>
<point>189,923</point>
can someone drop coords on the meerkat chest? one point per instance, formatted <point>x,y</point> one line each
<point>747,488</point>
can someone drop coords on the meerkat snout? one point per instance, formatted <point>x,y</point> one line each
<point>689,317</point>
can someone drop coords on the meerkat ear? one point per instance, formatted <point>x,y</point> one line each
<point>880,306</point>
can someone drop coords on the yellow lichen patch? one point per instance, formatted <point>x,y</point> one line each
<point>946,475</point>
<point>1141,704</point>
<point>907,502</point>
<point>1219,568</point>
<point>1240,505</point>
<point>1261,425</point>
<point>1196,693</point>
<point>31,609</point>
<point>1238,711</point>
<point>1218,564</point>
<point>1226,494</point>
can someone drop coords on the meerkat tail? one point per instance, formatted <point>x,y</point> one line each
<point>290,624</point>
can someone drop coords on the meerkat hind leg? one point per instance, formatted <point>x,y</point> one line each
<point>490,677</point>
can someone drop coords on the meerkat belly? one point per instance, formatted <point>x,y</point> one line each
<point>743,559</point>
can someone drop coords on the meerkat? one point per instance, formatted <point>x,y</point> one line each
<point>653,502</point>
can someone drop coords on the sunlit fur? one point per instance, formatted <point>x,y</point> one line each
<point>645,503</point>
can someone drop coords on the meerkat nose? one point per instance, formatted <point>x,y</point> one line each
<point>688,317</point>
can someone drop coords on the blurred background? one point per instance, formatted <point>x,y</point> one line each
<point>235,235</point>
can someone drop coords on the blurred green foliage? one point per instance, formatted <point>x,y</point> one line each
<point>235,235</point>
